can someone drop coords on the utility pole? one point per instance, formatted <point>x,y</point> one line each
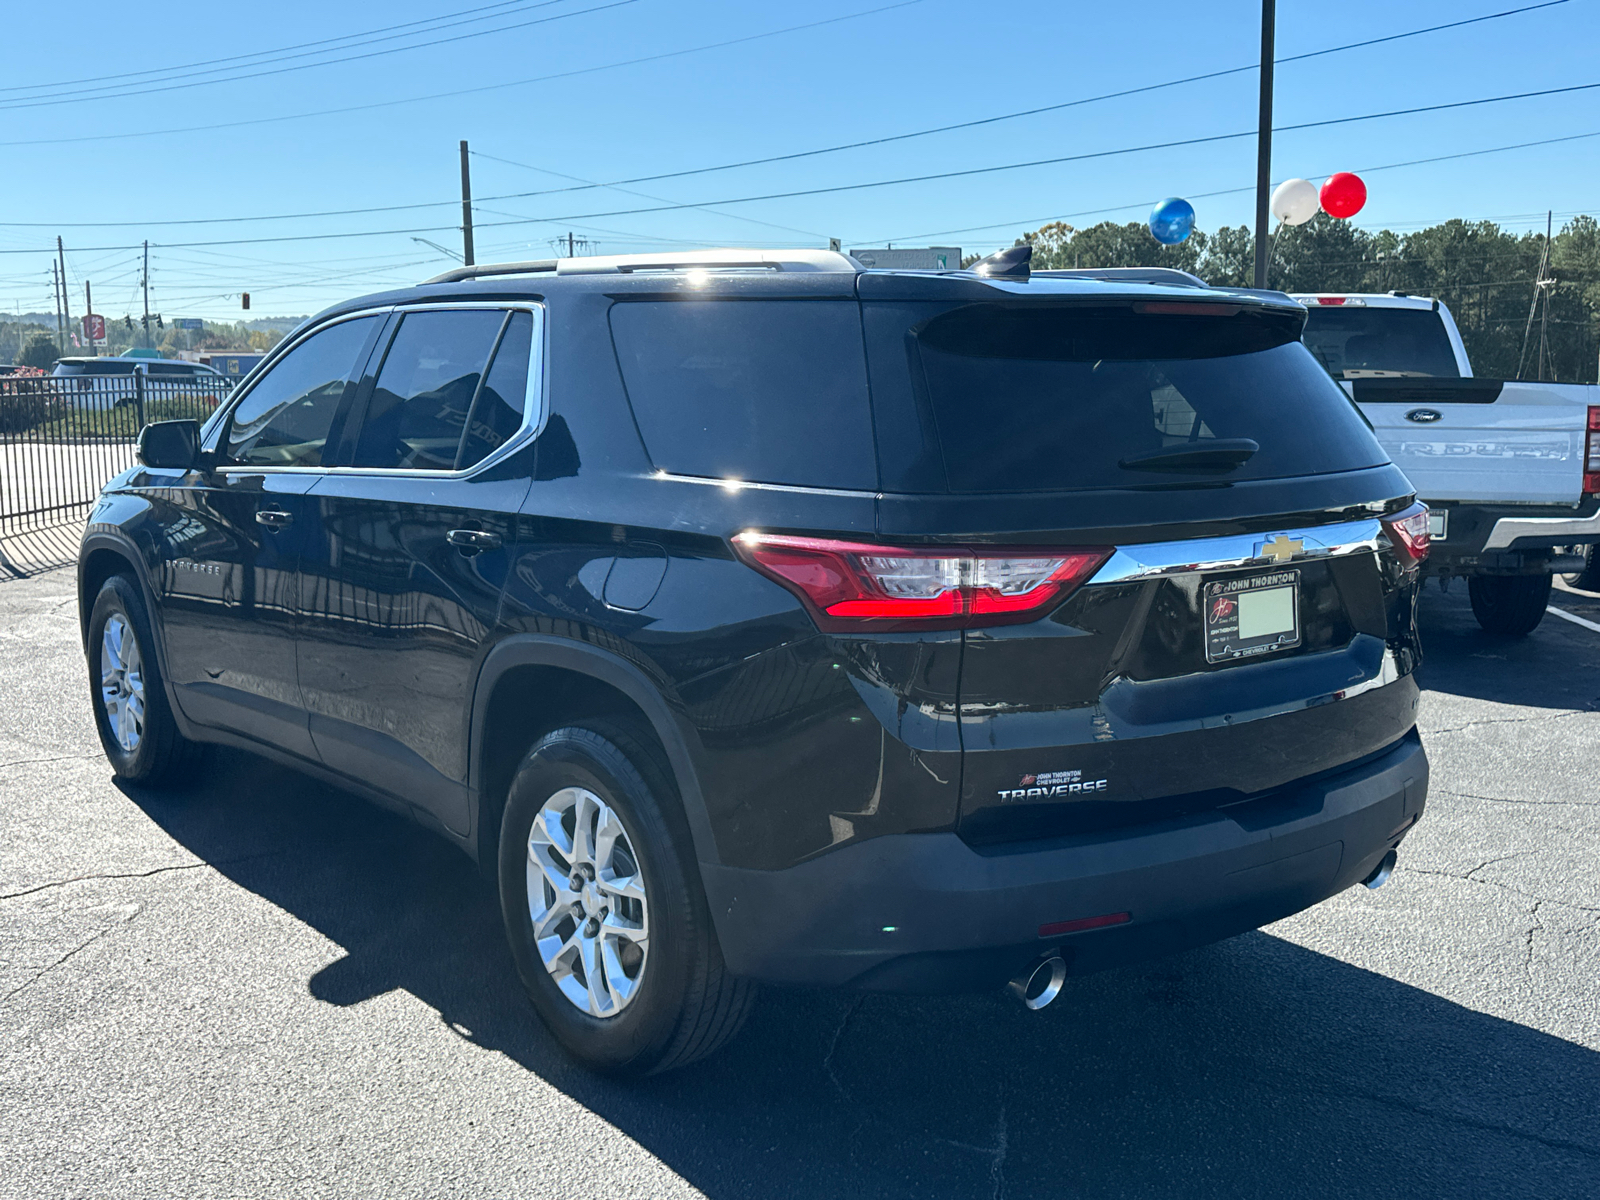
<point>88,311</point>
<point>66,308</point>
<point>148,343</point>
<point>1264,141</point>
<point>1549,286</point>
<point>571,248</point>
<point>61,328</point>
<point>466,207</point>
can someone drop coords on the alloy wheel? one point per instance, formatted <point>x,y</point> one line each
<point>587,899</point>
<point>122,682</point>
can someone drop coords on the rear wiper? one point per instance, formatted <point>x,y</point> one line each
<point>1218,454</point>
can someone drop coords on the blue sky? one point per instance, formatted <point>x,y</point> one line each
<point>906,68</point>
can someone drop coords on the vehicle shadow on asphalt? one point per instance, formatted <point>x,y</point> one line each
<point>1458,657</point>
<point>1251,1068</point>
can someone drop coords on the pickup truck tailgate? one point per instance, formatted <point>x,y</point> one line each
<point>1480,439</point>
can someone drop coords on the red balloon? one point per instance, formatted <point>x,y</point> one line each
<point>1343,195</point>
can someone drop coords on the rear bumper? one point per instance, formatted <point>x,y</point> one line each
<point>1497,538</point>
<point>928,913</point>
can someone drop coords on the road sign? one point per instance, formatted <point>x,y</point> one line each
<point>194,323</point>
<point>921,258</point>
<point>94,329</point>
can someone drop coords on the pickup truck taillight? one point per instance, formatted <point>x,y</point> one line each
<point>1408,530</point>
<point>854,586</point>
<point>1591,454</point>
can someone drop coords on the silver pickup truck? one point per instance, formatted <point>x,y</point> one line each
<point>1509,469</point>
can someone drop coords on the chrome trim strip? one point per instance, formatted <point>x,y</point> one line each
<point>1154,560</point>
<point>1508,529</point>
<point>535,406</point>
<point>740,485</point>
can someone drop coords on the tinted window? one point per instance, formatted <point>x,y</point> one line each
<point>176,368</point>
<point>498,411</point>
<point>286,418</point>
<point>1370,343</point>
<point>1046,398</point>
<point>769,391</point>
<point>425,389</point>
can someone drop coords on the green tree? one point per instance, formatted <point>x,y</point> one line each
<point>1059,246</point>
<point>39,352</point>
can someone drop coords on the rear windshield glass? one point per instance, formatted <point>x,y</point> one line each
<point>1046,398</point>
<point>1374,343</point>
<point>765,391</point>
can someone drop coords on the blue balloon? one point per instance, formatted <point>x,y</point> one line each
<point>1172,221</point>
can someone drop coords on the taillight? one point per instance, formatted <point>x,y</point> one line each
<point>1591,454</point>
<point>857,586</point>
<point>1408,530</point>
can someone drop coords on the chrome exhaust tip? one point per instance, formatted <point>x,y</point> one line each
<point>1040,983</point>
<point>1380,873</point>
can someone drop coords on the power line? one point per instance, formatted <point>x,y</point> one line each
<point>1030,112</point>
<point>194,83</point>
<point>192,68</point>
<point>488,87</point>
<point>621,183</point>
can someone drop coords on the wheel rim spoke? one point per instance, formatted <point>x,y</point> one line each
<point>122,683</point>
<point>587,902</point>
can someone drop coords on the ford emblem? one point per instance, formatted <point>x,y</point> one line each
<point>1424,416</point>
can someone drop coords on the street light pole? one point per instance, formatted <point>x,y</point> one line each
<point>1264,141</point>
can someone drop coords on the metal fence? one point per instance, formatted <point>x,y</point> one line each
<point>62,438</point>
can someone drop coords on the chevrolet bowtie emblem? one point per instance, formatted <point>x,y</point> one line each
<point>1282,548</point>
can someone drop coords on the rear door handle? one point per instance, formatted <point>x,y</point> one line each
<point>473,541</point>
<point>274,518</point>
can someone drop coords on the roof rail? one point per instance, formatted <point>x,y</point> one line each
<point>519,268</point>
<point>1162,276</point>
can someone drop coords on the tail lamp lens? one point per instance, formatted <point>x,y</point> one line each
<point>1409,532</point>
<point>852,585</point>
<point>1591,454</point>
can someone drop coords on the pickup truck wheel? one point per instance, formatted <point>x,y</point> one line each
<point>603,908</point>
<point>136,728</point>
<point>1510,605</point>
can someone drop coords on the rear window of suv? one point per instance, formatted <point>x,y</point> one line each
<point>1042,397</point>
<point>762,391</point>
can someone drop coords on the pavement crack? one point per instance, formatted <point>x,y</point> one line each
<point>79,948</point>
<point>1555,716</point>
<point>1527,961</point>
<point>1511,800</point>
<point>1504,887</point>
<point>23,762</point>
<point>833,1047</point>
<point>58,883</point>
<point>997,1168</point>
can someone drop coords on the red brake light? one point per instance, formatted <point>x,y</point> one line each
<point>856,586</point>
<point>1408,530</point>
<point>1591,454</point>
<point>1332,301</point>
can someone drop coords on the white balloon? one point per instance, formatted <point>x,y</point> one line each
<point>1294,201</point>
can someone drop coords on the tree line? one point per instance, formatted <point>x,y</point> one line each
<point>1484,273</point>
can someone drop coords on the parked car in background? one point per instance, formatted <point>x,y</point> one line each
<point>755,616</point>
<point>1510,469</point>
<point>101,383</point>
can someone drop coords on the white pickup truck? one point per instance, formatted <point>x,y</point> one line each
<point>1510,470</point>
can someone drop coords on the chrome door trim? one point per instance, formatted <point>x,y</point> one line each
<point>1233,552</point>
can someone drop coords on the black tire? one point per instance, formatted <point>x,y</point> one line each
<point>1588,579</point>
<point>1509,605</point>
<point>161,754</point>
<point>686,1005</point>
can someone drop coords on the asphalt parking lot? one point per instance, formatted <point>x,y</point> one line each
<point>263,987</point>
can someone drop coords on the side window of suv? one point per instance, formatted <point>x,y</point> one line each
<point>286,418</point>
<point>439,404</point>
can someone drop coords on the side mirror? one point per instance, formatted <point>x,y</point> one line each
<point>170,444</point>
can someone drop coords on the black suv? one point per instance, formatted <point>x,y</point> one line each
<point>760,617</point>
